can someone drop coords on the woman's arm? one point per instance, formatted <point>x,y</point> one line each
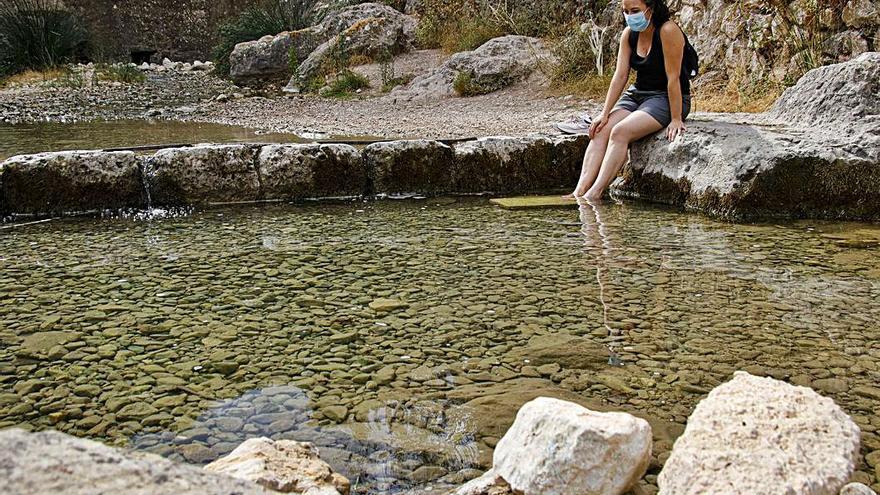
<point>618,83</point>
<point>673,55</point>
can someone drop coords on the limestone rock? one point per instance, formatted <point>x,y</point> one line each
<point>857,489</point>
<point>844,46</point>
<point>71,181</point>
<point>51,463</point>
<point>265,58</point>
<point>489,483</point>
<point>496,64</point>
<point>762,436</point>
<point>283,466</point>
<point>311,170</point>
<point>369,30</point>
<point>203,174</point>
<point>815,154</point>
<point>417,166</point>
<point>560,448</point>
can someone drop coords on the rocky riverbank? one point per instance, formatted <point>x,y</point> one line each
<point>750,435</point>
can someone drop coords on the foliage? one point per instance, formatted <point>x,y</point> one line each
<point>388,73</point>
<point>267,18</point>
<point>123,73</point>
<point>346,83</point>
<point>39,34</point>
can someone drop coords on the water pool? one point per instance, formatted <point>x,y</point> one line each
<point>401,336</point>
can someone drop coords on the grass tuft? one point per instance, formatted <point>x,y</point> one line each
<point>37,35</point>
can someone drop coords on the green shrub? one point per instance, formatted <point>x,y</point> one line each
<point>38,34</point>
<point>123,73</point>
<point>465,85</point>
<point>268,18</point>
<point>346,83</point>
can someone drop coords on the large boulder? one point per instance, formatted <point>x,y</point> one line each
<point>762,436</point>
<point>283,466</point>
<point>815,154</point>
<point>203,174</point>
<point>365,29</point>
<point>368,30</point>
<point>300,171</point>
<point>51,463</point>
<point>496,64</point>
<point>71,181</point>
<point>560,448</point>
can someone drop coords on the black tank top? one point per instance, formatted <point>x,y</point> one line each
<point>651,70</point>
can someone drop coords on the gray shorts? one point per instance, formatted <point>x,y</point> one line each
<point>654,103</point>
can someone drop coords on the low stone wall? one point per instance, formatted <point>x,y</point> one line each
<point>77,181</point>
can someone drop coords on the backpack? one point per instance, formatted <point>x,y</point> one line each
<point>691,62</point>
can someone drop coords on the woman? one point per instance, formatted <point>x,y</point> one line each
<point>653,46</point>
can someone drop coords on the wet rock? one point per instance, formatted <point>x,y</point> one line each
<point>556,447</point>
<point>568,351</point>
<point>284,466</point>
<point>790,162</point>
<point>417,166</point>
<point>386,305</point>
<point>196,453</point>
<point>335,413</point>
<point>496,64</point>
<point>51,462</point>
<point>203,174</point>
<point>763,436</point>
<point>372,29</point>
<point>70,181</point>
<point>311,170</point>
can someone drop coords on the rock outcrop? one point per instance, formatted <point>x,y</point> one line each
<point>51,463</point>
<point>366,29</point>
<point>283,466</point>
<point>762,436</point>
<point>560,448</point>
<point>52,183</point>
<point>815,154</point>
<point>496,64</point>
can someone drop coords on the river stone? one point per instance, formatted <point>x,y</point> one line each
<point>494,65</point>
<point>284,466</point>
<point>792,162</point>
<point>311,171</point>
<point>556,447</point>
<point>51,462</point>
<point>203,174</point>
<point>71,181</point>
<point>489,483</point>
<point>38,344</point>
<point>568,351</point>
<point>763,436</point>
<point>416,166</point>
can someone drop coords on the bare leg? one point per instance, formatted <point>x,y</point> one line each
<point>636,126</point>
<point>596,152</point>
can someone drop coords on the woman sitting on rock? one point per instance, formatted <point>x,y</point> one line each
<point>654,47</point>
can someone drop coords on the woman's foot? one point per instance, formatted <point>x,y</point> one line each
<point>592,195</point>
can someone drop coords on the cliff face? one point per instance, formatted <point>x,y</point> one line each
<point>177,29</point>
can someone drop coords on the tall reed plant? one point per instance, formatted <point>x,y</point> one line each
<point>39,34</point>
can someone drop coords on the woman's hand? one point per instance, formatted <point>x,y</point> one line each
<point>675,129</point>
<point>598,124</point>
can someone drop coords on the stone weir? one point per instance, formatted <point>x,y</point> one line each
<point>78,181</point>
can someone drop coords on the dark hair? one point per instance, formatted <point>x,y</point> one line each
<point>659,12</point>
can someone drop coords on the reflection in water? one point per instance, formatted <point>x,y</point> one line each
<point>599,242</point>
<point>377,454</point>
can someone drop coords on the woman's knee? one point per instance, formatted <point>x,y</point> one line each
<point>620,134</point>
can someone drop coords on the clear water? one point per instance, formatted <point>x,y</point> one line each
<point>48,136</point>
<point>186,335</point>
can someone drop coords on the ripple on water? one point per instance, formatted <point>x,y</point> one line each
<point>185,334</point>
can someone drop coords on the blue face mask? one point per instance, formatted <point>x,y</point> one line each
<point>637,22</point>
